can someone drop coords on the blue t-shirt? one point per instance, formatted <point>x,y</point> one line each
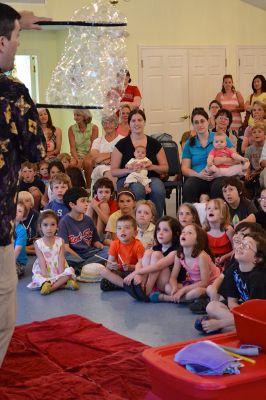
<point>79,235</point>
<point>198,154</point>
<point>21,240</point>
<point>59,208</point>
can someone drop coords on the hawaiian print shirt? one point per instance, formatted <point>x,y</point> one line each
<point>21,139</point>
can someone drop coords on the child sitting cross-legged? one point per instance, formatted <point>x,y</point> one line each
<point>59,184</point>
<point>155,267</point>
<point>124,253</point>
<point>244,280</point>
<point>82,242</point>
<point>50,270</point>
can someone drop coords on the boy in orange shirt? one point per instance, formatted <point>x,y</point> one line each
<point>124,253</point>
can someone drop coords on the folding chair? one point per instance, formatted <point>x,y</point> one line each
<point>171,150</point>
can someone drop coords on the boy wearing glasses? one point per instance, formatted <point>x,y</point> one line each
<point>244,280</point>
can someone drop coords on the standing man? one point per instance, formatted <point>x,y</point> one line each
<point>20,139</point>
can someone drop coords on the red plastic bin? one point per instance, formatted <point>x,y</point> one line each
<point>171,381</point>
<point>250,321</point>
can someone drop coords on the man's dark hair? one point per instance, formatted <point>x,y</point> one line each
<point>72,195</point>
<point>7,20</point>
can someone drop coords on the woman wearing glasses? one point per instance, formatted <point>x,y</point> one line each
<point>194,160</point>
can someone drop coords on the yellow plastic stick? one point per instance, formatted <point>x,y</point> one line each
<point>240,357</point>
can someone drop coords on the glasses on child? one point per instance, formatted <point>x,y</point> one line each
<point>245,246</point>
<point>262,199</point>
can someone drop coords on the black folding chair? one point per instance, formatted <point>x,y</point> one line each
<point>171,150</point>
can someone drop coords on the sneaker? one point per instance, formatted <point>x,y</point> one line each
<point>46,288</point>
<point>107,286</point>
<point>71,284</point>
<point>199,305</point>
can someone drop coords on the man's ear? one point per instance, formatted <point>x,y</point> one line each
<point>2,43</point>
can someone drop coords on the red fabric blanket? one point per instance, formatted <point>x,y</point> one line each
<point>73,358</point>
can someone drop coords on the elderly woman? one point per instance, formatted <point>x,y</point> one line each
<point>81,136</point>
<point>124,151</point>
<point>53,135</point>
<point>194,160</point>
<point>102,148</point>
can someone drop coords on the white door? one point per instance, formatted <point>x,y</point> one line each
<point>174,81</point>
<point>206,70</point>
<point>165,90</point>
<point>251,62</point>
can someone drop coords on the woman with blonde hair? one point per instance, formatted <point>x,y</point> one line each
<point>81,136</point>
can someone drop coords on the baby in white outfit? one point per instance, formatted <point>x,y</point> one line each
<point>140,176</point>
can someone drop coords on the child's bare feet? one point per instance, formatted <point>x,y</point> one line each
<point>211,325</point>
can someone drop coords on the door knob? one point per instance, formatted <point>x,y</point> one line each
<point>185,116</point>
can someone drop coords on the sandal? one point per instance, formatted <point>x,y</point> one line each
<point>199,305</point>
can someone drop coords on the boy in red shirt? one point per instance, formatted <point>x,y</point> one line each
<point>102,205</point>
<point>124,253</point>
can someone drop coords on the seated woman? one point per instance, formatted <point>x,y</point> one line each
<point>81,136</point>
<point>194,160</point>
<point>124,151</point>
<point>123,127</point>
<point>102,148</point>
<point>214,107</point>
<point>52,134</point>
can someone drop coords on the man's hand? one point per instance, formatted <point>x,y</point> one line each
<point>29,21</point>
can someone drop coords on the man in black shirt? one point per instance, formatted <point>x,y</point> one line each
<point>21,138</point>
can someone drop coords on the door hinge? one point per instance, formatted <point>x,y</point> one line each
<point>141,63</point>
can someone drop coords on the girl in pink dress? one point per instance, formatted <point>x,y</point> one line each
<point>194,256</point>
<point>50,269</point>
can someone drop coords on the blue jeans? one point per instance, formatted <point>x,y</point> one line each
<point>88,258</point>
<point>157,195</point>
